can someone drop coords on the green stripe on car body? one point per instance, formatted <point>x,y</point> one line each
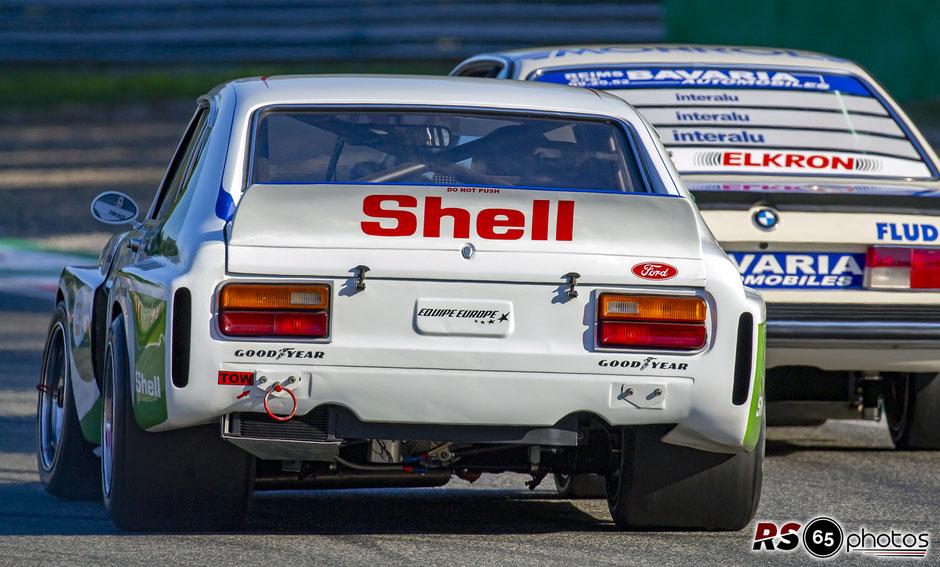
<point>149,379</point>
<point>756,411</point>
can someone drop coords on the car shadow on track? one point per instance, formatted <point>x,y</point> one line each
<point>26,509</point>
<point>778,448</point>
<point>424,511</point>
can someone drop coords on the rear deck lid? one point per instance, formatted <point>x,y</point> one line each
<point>466,234</point>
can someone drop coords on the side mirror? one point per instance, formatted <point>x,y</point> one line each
<point>112,207</point>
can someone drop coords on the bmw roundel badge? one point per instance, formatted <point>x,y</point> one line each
<point>766,218</point>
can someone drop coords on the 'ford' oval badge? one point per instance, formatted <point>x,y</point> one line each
<point>766,218</point>
<point>654,271</point>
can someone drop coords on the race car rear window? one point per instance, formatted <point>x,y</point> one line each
<point>442,148</point>
<point>739,120</point>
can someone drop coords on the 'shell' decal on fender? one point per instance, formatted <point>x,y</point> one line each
<point>654,271</point>
<point>489,224</point>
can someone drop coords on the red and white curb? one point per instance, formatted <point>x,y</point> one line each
<point>28,269</point>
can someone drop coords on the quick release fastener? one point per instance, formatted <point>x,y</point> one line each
<point>624,394</point>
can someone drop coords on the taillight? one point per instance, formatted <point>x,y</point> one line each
<point>257,310</point>
<point>895,267</point>
<point>644,321</point>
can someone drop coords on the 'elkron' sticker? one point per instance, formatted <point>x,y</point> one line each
<point>467,317</point>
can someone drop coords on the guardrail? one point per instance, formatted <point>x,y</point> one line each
<point>236,31</point>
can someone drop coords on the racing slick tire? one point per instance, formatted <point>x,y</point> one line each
<point>912,408</point>
<point>663,486</point>
<point>183,480</point>
<point>580,486</point>
<point>67,465</point>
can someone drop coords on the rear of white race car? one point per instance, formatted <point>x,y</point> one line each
<point>404,294</point>
<point>402,338</point>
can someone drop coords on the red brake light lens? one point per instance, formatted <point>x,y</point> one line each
<point>895,267</point>
<point>658,335</point>
<point>925,268</point>
<point>256,310</point>
<point>269,324</point>
<point>642,321</point>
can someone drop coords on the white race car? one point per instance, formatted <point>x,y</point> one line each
<point>822,191</point>
<point>384,281</point>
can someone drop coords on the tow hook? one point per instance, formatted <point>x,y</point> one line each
<point>277,388</point>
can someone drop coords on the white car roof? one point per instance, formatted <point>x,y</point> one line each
<point>529,60</point>
<point>392,90</point>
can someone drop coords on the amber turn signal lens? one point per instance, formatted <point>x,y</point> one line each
<point>652,308</point>
<point>292,297</point>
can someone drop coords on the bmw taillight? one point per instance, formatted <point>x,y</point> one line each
<point>896,267</point>
<point>274,310</point>
<point>645,321</point>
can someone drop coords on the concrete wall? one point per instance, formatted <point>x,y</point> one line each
<point>898,41</point>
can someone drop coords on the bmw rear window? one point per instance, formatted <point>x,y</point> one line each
<point>761,120</point>
<point>301,145</point>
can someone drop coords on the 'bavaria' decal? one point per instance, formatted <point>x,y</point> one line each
<point>654,271</point>
<point>769,270</point>
<point>727,78</point>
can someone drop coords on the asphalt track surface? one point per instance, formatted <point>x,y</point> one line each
<point>845,470</point>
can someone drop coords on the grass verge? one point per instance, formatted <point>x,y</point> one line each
<point>50,85</point>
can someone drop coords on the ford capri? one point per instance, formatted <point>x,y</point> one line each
<point>367,281</point>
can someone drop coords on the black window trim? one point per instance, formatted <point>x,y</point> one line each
<point>198,139</point>
<point>643,158</point>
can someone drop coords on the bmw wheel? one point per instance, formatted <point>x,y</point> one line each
<point>912,407</point>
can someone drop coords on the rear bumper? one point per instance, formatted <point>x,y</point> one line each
<point>892,326</point>
<point>828,334</point>
<point>855,337</point>
<point>439,400</point>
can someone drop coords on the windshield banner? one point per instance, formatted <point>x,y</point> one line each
<point>755,98</point>
<point>658,77</point>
